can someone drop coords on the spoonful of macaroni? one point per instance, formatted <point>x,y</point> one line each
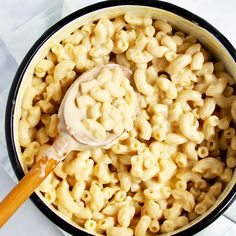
<point>98,107</point>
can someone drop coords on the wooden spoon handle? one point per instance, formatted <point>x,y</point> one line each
<point>25,188</point>
<point>62,145</point>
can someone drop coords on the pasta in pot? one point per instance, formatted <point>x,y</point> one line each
<point>166,168</point>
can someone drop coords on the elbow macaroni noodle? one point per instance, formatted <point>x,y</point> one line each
<point>166,168</point>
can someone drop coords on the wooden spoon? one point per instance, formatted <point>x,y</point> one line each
<point>72,136</point>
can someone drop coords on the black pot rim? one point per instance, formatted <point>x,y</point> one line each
<point>19,76</point>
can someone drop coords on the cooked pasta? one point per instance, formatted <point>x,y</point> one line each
<point>165,169</point>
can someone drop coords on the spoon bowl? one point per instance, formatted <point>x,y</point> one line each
<point>69,114</point>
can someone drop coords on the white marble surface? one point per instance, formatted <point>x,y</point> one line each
<point>18,34</point>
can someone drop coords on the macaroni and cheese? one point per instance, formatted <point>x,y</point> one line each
<point>173,159</point>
